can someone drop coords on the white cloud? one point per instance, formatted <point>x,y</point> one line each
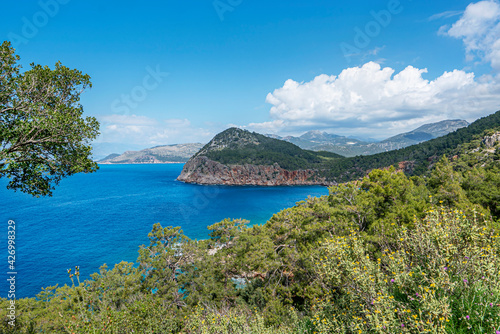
<point>146,131</point>
<point>376,100</point>
<point>479,29</point>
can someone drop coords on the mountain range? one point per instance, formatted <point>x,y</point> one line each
<point>351,146</point>
<point>312,140</point>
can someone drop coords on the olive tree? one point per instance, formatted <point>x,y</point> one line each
<point>43,135</point>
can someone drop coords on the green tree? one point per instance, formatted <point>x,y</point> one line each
<point>482,186</point>
<point>383,200</point>
<point>444,184</point>
<point>43,135</point>
<point>168,256</point>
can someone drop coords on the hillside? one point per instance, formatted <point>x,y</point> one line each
<point>158,154</point>
<point>350,146</point>
<point>240,157</point>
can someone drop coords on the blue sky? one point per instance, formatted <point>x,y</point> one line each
<point>167,72</point>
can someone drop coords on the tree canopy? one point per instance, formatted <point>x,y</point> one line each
<point>43,135</point>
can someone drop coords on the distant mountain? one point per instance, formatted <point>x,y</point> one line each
<point>240,157</point>
<point>423,133</point>
<point>318,136</point>
<point>103,150</point>
<point>350,146</point>
<point>158,154</point>
<point>110,157</point>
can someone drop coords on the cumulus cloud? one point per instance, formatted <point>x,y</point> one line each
<point>372,99</point>
<point>379,102</point>
<point>479,29</point>
<point>146,131</point>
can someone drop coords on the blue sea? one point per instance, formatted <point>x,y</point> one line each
<point>104,217</point>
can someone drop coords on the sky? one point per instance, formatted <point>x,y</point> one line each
<point>168,72</point>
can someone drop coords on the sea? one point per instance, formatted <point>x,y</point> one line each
<point>103,217</point>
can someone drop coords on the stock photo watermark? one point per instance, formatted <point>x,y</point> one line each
<point>11,273</point>
<point>200,201</point>
<point>31,26</point>
<point>139,93</point>
<point>224,6</point>
<point>363,36</point>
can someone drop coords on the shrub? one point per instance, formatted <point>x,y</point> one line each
<point>231,320</point>
<point>440,277</point>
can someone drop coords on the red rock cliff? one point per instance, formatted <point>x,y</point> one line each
<point>202,170</point>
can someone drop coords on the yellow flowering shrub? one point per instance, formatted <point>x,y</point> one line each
<point>230,321</point>
<point>440,277</point>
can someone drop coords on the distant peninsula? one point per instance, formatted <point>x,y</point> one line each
<point>179,153</point>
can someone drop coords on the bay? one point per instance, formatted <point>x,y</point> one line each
<point>104,217</point>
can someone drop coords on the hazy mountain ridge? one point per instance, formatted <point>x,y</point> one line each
<point>157,154</point>
<point>351,146</point>
<point>314,140</point>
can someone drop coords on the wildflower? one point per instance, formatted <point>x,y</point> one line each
<point>392,280</point>
<point>445,268</point>
<point>467,317</point>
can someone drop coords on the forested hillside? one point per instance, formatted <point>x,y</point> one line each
<point>235,146</point>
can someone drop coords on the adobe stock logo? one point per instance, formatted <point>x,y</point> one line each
<point>139,93</point>
<point>372,29</point>
<point>223,6</point>
<point>31,27</point>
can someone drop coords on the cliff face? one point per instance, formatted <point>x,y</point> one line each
<point>202,170</point>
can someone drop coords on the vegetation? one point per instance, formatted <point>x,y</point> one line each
<point>387,253</point>
<point>42,133</point>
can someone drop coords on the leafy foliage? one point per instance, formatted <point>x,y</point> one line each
<point>42,133</point>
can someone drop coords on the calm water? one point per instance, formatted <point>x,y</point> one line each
<point>103,217</point>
